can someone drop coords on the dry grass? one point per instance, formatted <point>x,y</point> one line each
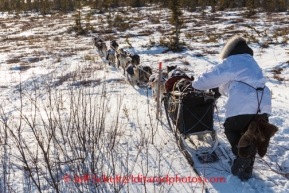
<point>278,77</point>
<point>21,67</point>
<point>277,70</point>
<point>64,78</point>
<point>57,39</point>
<point>185,62</point>
<point>147,32</point>
<point>24,67</point>
<point>89,82</point>
<point>163,31</point>
<point>198,54</point>
<point>91,69</point>
<point>237,20</point>
<point>13,60</point>
<point>210,52</point>
<point>173,59</point>
<point>109,37</point>
<point>154,19</point>
<point>88,57</point>
<point>67,54</point>
<point>33,60</point>
<point>81,48</point>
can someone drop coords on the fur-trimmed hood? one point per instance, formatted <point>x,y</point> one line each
<point>235,45</point>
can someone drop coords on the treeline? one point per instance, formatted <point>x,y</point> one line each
<point>45,6</point>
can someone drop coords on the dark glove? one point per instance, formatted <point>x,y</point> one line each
<point>186,82</point>
<point>216,93</point>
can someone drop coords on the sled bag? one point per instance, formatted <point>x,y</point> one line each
<point>195,112</point>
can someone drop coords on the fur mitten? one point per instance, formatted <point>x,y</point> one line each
<point>248,141</point>
<point>268,131</point>
<point>258,136</point>
<point>246,152</point>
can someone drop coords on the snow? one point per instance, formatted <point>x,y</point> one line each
<point>143,145</point>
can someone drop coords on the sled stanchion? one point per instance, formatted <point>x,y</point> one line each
<point>158,92</point>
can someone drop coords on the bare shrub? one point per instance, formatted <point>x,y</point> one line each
<point>64,144</point>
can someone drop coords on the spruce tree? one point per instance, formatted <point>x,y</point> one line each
<point>269,5</point>
<point>213,4</point>
<point>176,20</point>
<point>136,3</point>
<point>96,4</point>
<point>28,5</point>
<point>194,4</point>
<point>251,6</point>
<point>190,5</point>
<point>282,5</point>
<point>44,7</point>
<point>5,5</point>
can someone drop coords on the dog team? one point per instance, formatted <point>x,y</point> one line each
<point>130,65</point>
<point>129,62</point>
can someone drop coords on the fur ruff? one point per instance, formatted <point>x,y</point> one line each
<point>258,136</point>
<point>230,45</point>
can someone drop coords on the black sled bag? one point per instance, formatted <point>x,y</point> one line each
<point>190,110</point>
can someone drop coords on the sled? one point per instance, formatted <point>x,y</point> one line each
<point>190,114</point>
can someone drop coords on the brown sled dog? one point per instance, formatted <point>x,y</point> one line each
<point>257,135</point>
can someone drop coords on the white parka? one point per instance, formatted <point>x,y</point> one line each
<point>242,99</point>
